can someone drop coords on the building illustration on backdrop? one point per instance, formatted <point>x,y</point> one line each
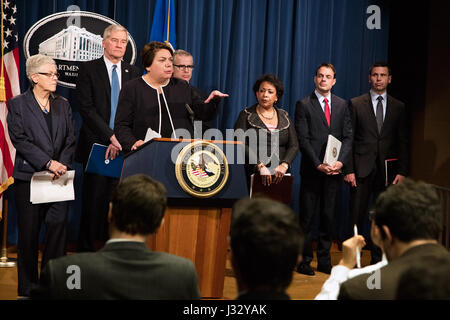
<point>73,44</point>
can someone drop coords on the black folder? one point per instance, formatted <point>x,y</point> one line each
<point>390,167</point>
<point>277,191</point>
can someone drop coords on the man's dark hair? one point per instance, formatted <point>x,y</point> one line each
<point>138,205</point>
<point>411,210</point>
<point>428,279</point>
<point>326,65</point>
<point>149,51</point>
<point>380,64</point>
<point>266,241</point>
<point>272,79</point>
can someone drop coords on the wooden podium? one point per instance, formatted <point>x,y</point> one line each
<point>193,228</point>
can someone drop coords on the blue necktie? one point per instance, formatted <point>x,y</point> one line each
<point>115,89</point>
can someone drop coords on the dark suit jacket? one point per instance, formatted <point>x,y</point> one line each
<point>121,270</point>
<point>93,96</point>
<point>288,145</point>
<point>313,130</point>
<point>30,135</point>
<point>369,146</point>
<point>356,288</point>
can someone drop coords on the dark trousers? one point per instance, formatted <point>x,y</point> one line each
<point>29,219</point>
<point>97,191</point>
<point>318,196</point>
<point>373,184</point>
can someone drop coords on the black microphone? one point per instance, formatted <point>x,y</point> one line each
<point>191,113</point>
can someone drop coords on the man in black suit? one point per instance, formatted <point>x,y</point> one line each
<point>98,86</point>
<point>407,220</point>
<point>380,132</point>
<point>125,268</point>
<point>317,116</point>
<point>266,244</point>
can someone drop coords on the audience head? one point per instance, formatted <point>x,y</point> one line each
<point>404,213</point>
<point>138,205</point>
<point>429,279</point>
<point>268,90</point>
<point>325,78</point>
<point>380,77</point>
<point>157,59</point>
<point>183,63</point>
<point>115,39</point>
<point>266,243</point>
<point>42,72</point>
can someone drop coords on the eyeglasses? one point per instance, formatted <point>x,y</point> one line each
<point>183,66</point>
<point>50,75</point>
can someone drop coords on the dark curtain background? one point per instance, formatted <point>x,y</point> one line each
<point>234,42</point>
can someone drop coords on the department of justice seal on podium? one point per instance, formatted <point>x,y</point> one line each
<point>201,169</point>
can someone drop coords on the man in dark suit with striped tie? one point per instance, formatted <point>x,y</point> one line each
<point>380,132</point>
<point>316,116</point>
<point>97,93</point>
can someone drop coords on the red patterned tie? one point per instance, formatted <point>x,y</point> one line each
<point>327,111</point>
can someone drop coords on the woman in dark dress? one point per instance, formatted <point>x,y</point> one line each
<point>270,139</point>
<point>158,101</point>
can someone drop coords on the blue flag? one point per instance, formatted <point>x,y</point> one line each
<point>163,26</point>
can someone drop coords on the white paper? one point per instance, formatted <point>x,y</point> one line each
<point>332,150</point>
<point>43,189</point>
<point>151,134</point>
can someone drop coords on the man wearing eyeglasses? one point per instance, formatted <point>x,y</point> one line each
<point>183,63</point>
<point>97,93</point>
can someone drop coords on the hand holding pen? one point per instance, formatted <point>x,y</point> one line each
<point>349,255</point>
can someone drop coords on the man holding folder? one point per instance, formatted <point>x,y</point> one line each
<point>316,117</point>
<point>97,93</point>
<point>380,133</point>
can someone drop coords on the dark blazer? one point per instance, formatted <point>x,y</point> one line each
<point>356,288</point>
<point>138,109</point>
<point>121,270</point>
<point>248,119</point>
<point>369,146</point>
<point>313,130</point>
<point>30,135</point>
<point>93,95</point>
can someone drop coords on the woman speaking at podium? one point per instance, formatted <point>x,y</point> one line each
<point>158,101</point>
<point>267,121</point>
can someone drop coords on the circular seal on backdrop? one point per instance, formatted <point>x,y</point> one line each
<point>201,169</point>
<point>71,38</point>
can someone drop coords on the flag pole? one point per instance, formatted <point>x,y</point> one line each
<point>4,262</point>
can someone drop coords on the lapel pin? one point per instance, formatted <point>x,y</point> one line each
<point>126,70</point>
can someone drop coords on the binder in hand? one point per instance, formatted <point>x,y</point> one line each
<point>390,167</point>
<point>105,167</point>
<point>332,151</point>
<point>277,191</point>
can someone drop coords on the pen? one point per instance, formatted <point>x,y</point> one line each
<point>358,257</point>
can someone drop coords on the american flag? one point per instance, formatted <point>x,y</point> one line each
<point>9,87</point>
<point>199,172</point>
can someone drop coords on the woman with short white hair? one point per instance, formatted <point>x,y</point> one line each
<point>42,130</point>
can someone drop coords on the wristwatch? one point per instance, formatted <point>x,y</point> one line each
<point>284,164</point>
<point>49,163</point>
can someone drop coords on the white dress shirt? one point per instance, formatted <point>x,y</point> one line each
<point>109,67</point>
<point>374,96</point>
<point>321,98</point>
